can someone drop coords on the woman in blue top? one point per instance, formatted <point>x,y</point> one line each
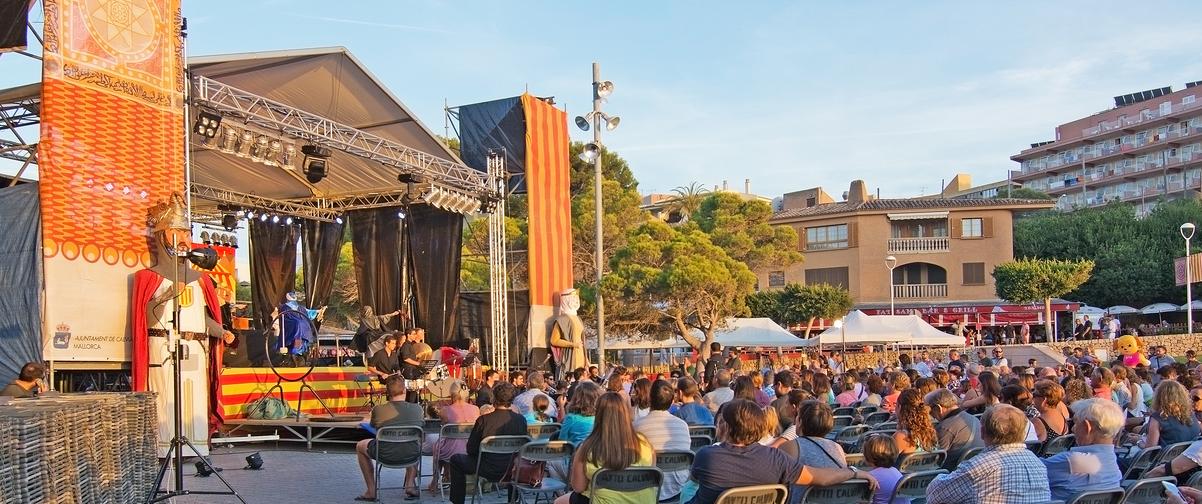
<point>578,422</point>
<point>1171,418</point>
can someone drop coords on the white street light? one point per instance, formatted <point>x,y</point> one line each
<point>891,262</point>
<point>592,154</point>
<point>1187,232</point>
<point>842,335</point>
<point>604,89</point>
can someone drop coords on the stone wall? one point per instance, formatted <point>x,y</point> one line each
<point>1176,344</point>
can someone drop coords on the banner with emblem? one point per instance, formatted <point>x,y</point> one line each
<point>112,143</point>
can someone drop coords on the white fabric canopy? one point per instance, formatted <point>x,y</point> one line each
<point>1158,308</point>
<point>1121,310</point>
<point>739,332</point>
<point>1092,311</point>
<point>861,329</point>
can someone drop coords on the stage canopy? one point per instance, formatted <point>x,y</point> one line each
<point>861,329</point>
<point>740,332</point>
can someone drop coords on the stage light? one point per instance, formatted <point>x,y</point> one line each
<point>273,152</point>
<point>229,139</point>
<point>250,214</point>
<point>240,214</point>
<point>202,469</point>
<point>204,258</point>
<point>259,149</point>
<point>401,215</point>
<point>229,222</point>
<point>582,123</point>
<point>275,219</point>
<point>204,237</point>
<point>315,162</point>
<point>233,242</point>
<point>254,461</point>
<point>338,220</point>
<point>207,125</point>
<point>288,221</point>
<point>591,152</point>
<point>288,159</point>
<point>244,144</point>
<point>262,217</point>
<point>605,88</point>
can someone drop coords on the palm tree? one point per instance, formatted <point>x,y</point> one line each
<point>687,201</point>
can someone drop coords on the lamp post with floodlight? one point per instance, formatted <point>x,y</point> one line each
<point>1187,232</point>
<point>891,262</point>
<point>592,154</point>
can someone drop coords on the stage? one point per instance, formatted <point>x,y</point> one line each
<point>335,385</point>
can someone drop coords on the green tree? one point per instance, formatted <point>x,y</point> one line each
<point>686,202</point>
<point>807,303</point>
<point>740,226</point>
<point>678,279</point>
<point>766,304</point>
<point>1031,280</point>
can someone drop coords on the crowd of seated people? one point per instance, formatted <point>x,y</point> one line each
<point>1023,434</point>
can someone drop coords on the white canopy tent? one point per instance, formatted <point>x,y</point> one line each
<point>1155,308</point>
<point>1121,310</point>
<point>1092,311</point>
<point>861,329</point>
<point>739,332</point>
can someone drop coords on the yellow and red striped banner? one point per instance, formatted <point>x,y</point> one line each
<point>335,385</point>
<point>548,176</point>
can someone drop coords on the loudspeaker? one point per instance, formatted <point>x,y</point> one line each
<point>540,359</point>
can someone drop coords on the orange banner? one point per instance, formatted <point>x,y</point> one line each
<point>112,144</point>
<point>548,173</point>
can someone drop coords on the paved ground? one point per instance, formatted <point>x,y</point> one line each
<point>328,474</point>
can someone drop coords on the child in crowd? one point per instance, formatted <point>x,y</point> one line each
<point>880,452</point>
<point>538,410</point>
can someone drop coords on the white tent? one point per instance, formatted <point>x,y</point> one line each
<point>1121,310</point>
<point>861,329</point>
<point>1155,308</point>
<point>739,332</point>
<point>1092,311</point>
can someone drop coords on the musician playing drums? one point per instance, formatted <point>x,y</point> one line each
<point>413,352</point>
<point>385,362</point>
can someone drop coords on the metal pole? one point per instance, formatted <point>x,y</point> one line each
<point>598,248</point>
<point>1189,294</point>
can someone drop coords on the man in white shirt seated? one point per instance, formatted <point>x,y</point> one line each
<point>535,384</point>
<point>721,394</point>
<point>665,432</point>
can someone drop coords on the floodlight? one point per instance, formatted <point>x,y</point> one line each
<point>605,88</point>
<point>288,159</point>
<point>611,123</point>
<point>202,469</point>
<point>338,220</point>
<point>229,139</point>
<point>229,222</point>
<point>204,258</point>
<point>591,152</point>
<point>207,125</point>
<point>254,462</point>
<point>582,123</point>
<point>288,221</point>
<point>275,219</point>
<point>400,214</point>
<point>263,217</point>
<point>244,143</point>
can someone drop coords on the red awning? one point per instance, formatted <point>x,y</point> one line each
<point>978,314</point>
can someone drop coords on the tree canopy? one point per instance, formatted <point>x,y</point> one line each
<point>1022,193</point>
<point>740,227</point>
<point>1031,280</point>
<point>679,279</point>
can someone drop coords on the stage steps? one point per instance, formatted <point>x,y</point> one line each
<point>1018,355</point>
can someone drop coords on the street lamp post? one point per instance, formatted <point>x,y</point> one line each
<point>891,262</point>
<point>1187,232</point>
<point>592,154</point>
<point>842,337</point>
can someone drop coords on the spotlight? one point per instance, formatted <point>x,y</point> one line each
<point>315,162</point>
<point>288,160</point>
<point>338,220</point>
<point>582,123</point>
<point>400,214</point>
<point>207,125</point>
<point>259,149</point>
<point>204,258</point>
<point>254,461</point>
<point>204,469</point>
<point>591,152</point>
<point>229,222</point>
<point>204,237</point>
<point>275,219</point>
<point>263,217</point>
<point>273,152</point>
<point>288,221</point>
<point>229,139</point>
<point>240,214</point>
<point>233,242</point>
<point>250,214</point>
<point>605,88</point>
<point>244,144</point>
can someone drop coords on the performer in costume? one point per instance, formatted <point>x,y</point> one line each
<point>157,290</point>
<point>297,332</point>
<point>567,336</point>
<point>372,329</point>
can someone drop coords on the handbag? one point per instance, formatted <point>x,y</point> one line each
<point>526,472</point>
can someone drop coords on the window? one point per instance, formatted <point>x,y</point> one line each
<point>970,228</point>
<point>974,273</point>
<point>1187,99</point>
<point>830,276</point>
<point>811,202</point>
<point>826,237</point>
<point>776,279</point>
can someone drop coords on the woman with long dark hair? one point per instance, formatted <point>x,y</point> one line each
<point>613,445</point>
<point>989,393</point>
<point>915,432</point>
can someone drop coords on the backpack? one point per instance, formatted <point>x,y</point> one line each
<point>268,407</point>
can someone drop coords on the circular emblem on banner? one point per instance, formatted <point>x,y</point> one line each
<point>130,258</point>
<point>110,255</point>
<point>70,250</point>
<point>91,252</point>
<point>126,29</point>
<point>49,247</point>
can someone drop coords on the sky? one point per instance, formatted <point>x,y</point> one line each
<point>791,95</point>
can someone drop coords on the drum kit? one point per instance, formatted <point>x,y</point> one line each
<point>435,384</point>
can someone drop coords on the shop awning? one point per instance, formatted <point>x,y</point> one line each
<point>918,215</point>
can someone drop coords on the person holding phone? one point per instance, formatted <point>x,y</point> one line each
<point>29,383</point>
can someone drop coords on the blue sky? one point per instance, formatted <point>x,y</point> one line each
<point>790,95</point>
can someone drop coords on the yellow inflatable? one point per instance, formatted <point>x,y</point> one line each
<point>1132,350</point>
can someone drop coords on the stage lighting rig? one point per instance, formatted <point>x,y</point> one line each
<point>316,158</point>
<point>254,462</point>
<point>229,222</point>
<point>591,152</point>
<point>207,125</point>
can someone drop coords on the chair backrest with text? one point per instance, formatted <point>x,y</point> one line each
<point>758,494</point>
<point>924,461</point>
<point>854,491</point>
<point>699,442</point>
<point>639,481</point>
<point>1142,463</point>
<point>1171,452</point>
<point>704,430</point>
<point>1058,445</point>
<point>543,431</point>
<point>915,484</point>
<point>455,431</point>
<point>673,460</point>
<point>398,435</point>
<point>1098,497</point>
<point>1147,491</point>
<point>501,445</point>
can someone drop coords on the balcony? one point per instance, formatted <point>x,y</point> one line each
<point>925,245</point>
<point>916,291</point>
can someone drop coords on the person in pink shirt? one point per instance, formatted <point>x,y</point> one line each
<point>848,396</point>
<point>898,381</point>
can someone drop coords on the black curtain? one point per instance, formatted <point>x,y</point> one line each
<point>272,267</point>
<point>475,321</point>
<point>20,279</point>
<point>321,243</point>
<point>13,15</point>
<point>376,241</point>
<point>435,237</point>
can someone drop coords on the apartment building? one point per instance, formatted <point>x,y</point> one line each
<point>961,187</point>
<point>1145,149</point>
<point>944,251</point>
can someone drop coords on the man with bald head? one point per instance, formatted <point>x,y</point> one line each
<point>1005,473</point>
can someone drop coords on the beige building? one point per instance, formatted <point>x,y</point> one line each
<point>960,187</point>
<point>945,249</point>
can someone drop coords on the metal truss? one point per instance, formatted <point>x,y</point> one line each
<point>265,113</point>
<point>498,269</point>
<point>250,201</point>
<point>16,115</point>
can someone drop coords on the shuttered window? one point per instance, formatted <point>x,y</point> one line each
<point>830,276</point>
<point>974,273</point>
